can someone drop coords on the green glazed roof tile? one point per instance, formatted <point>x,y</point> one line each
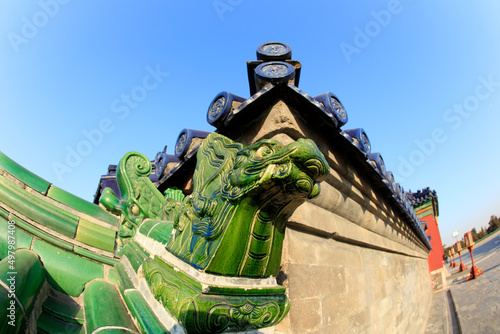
<point>23,239</point>
<point>81,205</point>
<point>49,324</point>
<point>37,209</point>
<point>4,213</point>
<point>16,236</point>
<point>64,308</point>
<point>40,234</point>
<point>96,235</point>
<point>23,175</point>
<point>105,312</point>
<point>146,319</point>
<point>161,232</point>
<point>3,238</point>
<point>20,324</point>
<point>178,275</point>
<point>29,277</point>
<point>158,230</point>
<point>113,277</point>
<point>66,271</point>
<point>123,279</point>
<point>135,254</point>
<point>146,226</point>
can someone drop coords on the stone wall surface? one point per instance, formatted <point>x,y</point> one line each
<point>336,287</point>
<point>351,263</point>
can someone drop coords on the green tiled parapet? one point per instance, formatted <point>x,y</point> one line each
<point>22,277</point>
<point>232,224</point>
<point>66,271</point>
<point>23,174</point>
<point>105,313</point>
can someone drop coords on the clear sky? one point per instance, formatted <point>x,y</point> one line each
<point>84,82</point>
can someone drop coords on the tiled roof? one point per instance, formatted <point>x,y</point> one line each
<point>421,196</point>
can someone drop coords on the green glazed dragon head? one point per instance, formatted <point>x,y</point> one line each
<point>234,221</point>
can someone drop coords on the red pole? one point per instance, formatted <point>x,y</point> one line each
<point>474,271</point>
<point>462,266</point>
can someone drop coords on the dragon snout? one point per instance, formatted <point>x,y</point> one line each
<point>315,168</point>
<point>310,160</point>
<point>311,164</point>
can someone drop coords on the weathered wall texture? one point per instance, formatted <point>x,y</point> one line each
<point>350,262</point>
<point>340,288</point>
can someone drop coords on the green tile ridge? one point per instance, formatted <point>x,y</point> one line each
<point>37,209</point>
<point>23,175</point>
<point>40,234</point>
<point>81,205</point>
<point>236,291</point>
<point>20,239</point>
<point>91,255</point>
<point>179,275</point>
<point>4,213</point>
<point>217,289</point>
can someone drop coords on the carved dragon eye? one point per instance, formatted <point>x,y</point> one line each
<point>263,152</point>
<point>134,209</point>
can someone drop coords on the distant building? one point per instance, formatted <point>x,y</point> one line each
<point>425,203</point>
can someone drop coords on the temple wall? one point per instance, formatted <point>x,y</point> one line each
<point>351,266</point>
<point>336,287</point>
<point>350,262</point>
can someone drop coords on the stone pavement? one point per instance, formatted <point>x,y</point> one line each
<point>442,318</point>
<point>470,307</point>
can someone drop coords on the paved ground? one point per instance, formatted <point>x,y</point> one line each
<point>470,307</point>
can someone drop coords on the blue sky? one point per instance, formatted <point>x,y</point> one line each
<point>421,77</point>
